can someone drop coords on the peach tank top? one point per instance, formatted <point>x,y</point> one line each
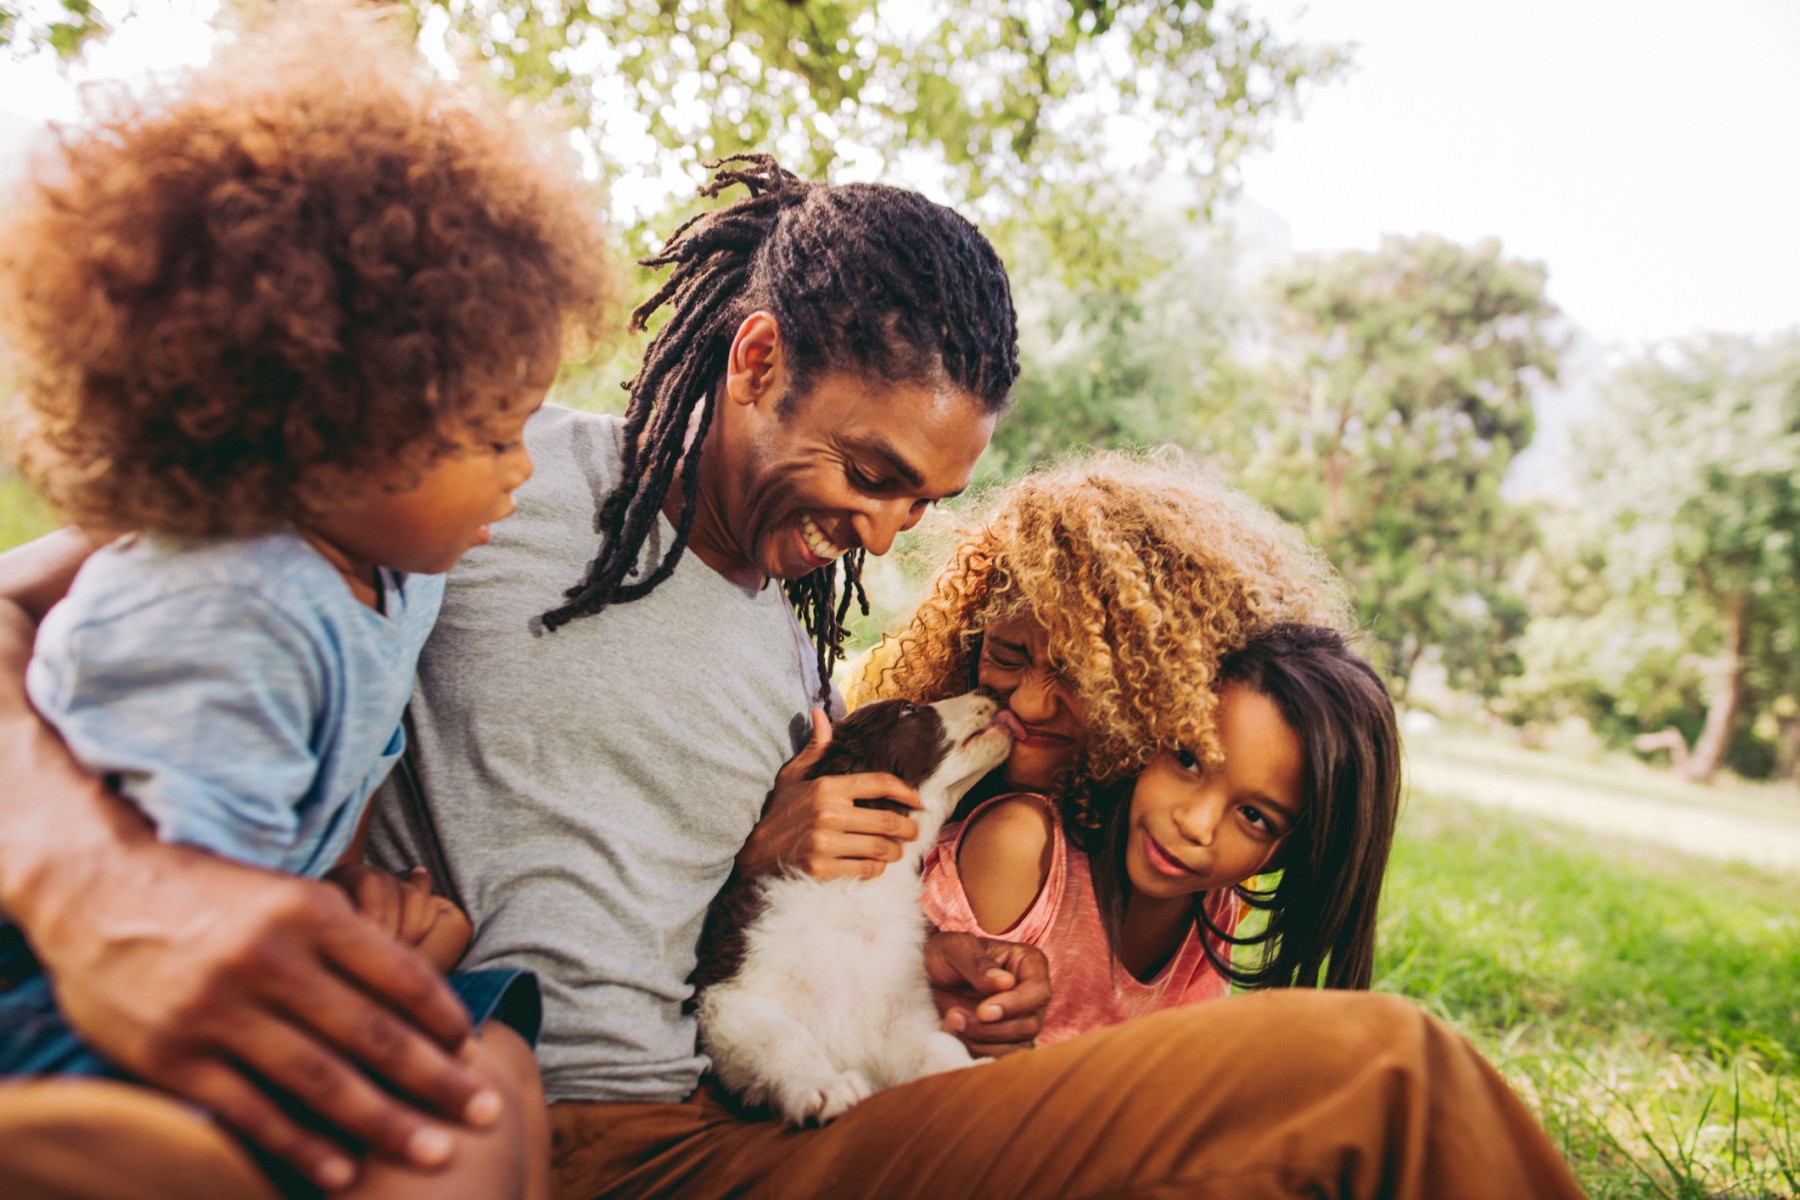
<point>1089,989</point>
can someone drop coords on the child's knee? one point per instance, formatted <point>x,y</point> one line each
<point>503,1056</point>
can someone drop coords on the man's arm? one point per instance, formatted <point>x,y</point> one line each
<point>198,974</point>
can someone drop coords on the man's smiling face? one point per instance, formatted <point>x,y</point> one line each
<point>849,464</point>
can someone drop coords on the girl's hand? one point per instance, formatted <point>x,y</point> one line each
<point>991,994</point>
<point>408,909</point>
<point>814,825</point>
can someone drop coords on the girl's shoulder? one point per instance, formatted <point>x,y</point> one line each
<point>1004,856</point>
<point>1014,820</point>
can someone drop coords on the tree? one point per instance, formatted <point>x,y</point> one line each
<point>1693,468</point>
<point>1400,387</point>
<point>63,27</point>
<point>1135,354</point>
<point>1013,96</point>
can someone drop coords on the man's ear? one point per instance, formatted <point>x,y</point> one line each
<point>755,367</point>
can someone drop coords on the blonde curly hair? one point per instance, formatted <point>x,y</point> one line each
<point>1143,571</point>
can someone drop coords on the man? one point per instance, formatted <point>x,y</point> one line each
<point>587,773</point>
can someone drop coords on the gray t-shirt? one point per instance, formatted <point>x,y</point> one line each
<point>585,791</point>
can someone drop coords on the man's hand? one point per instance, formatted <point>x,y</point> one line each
<point>815,826</point>
<point>408,909</point>
<point>216,981</point>
<point>213,980</point>
<point>991,994</point>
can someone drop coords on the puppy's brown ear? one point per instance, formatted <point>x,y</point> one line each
<point>851,737</point>
<point>847,753</point>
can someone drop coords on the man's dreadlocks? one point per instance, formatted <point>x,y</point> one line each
<point>859,277</point>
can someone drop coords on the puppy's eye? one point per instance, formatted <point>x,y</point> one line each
<point>907,710</point>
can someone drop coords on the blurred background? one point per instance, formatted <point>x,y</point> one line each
<point>1500,304</point>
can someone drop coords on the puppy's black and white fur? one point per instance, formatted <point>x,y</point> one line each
<point>813,994</point>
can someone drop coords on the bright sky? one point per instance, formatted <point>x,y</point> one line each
<point>1648,151</point>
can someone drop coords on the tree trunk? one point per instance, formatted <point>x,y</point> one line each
<point>1787,748</point>
<point>1727,698</point>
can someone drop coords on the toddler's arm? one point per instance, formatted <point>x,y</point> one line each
<point>112,913</point>
<point>408,909</point>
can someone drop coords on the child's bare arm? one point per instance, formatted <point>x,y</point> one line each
<point>1003,860</point>
<point>407,908</point>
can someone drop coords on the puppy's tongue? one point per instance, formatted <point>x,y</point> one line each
<point>1007,721</point>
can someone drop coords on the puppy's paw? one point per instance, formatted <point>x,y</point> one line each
<point>823,1104</point>
<point>944,1052</point>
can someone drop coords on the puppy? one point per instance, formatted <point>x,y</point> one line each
<point>813,994</point>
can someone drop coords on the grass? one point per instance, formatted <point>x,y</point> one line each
<point>22,516</point>
<point>1644,1003</point>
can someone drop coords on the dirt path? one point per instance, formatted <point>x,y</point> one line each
<point>1770,841</point>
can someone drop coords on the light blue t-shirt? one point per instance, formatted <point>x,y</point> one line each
<point>237,691</point>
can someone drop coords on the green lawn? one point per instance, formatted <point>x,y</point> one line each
<point>22,517</point>
<point>1647,1004</point>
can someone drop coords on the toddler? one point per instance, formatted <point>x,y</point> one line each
<point>278,332</point>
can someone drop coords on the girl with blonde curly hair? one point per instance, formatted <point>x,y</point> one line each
<point>1187,717</point>
<point>282,327</point>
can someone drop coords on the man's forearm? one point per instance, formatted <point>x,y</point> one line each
<point>55,819</point>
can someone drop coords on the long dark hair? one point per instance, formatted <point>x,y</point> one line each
<point>859,277</point>
<point>1320,914</point>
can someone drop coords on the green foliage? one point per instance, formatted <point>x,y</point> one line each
<point>1400,385</point>
<point>64,28</point>
<point>1014,101</point>
<point>1138,362</point>
<point>1690,501</point>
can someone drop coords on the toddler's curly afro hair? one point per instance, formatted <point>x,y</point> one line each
<point>309,254</point>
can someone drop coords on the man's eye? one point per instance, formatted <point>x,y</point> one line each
<point>503,447</point>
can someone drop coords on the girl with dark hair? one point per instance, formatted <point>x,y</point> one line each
<point>1154,777</point>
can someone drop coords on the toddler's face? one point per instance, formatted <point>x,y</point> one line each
<point>437,517</point>
<point>1192,829</point>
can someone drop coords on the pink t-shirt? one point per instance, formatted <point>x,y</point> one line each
<point>1088,988</point>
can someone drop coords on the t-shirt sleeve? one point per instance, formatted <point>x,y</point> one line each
<point>203,705</point>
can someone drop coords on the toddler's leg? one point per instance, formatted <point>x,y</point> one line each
<point>508,1161</point>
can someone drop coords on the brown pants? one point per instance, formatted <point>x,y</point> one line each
<point>1287,1094</point>
<point>93,1139</point>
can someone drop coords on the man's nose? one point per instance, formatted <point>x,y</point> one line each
<point>877,527</point>
<point>519,471</point>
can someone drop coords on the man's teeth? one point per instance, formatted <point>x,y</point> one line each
<point>817,542</point>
